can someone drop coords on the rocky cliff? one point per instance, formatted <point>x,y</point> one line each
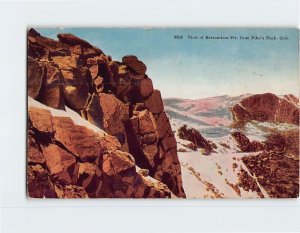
<point>267,108</point>
<point>67,160</point>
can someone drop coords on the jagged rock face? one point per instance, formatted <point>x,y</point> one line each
<point>276,172</point>
<point>117,97</point>
<point>67,160</point>
<point>284,142</point>
<point>245,144</point>
<point>267,107</point>
<point>196,139</point>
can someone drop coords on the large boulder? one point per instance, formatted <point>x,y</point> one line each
<point>60,163</point>
<point>154,103</point>
<point>135,64</point>
<point>90,178</point>
<point>40,120</point>
<point>79,140</point>
<point>194,136</point>
<point>39,184</point>
<point>35,154</point>
<point>35,74</point>
<point>76,88</point>
<point>245,145</point>
<point>117,162</point>
<point>113,114</point>
<point>51,92</point>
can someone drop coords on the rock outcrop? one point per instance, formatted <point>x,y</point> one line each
<point>196,139</point>
<point>117,97</point>
<point>267,107</point>
<point>245,145</point>
<point>67,160</point>
<point>276,173</point>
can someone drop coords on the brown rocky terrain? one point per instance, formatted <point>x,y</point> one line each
<point>267,107</point>
<point>257,158</point>
<point>196,139</point>
<point>67,160</point>
<point>277,173</point>
<point>245,145</point>
<point>276,167</point>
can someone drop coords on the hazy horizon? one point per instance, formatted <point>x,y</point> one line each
<point>231,96</point>
<point>195,69</point>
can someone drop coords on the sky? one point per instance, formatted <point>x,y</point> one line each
<point>198,68</point>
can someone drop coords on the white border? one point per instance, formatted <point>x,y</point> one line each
<point>19,214</point>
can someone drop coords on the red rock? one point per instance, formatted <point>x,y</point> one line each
<point>154,103</point>
<point>267,107</point>
<point>277,173</point>
<point>85,179</point>
<point>99,85</point>
<point>32,32</point>
<point>67,62</point>
<point>117,162</point>
<point>292,99</point>
<point>39,184</point>
<point>257,146</point>
<point>169,142</point>
<point>145,87</point>
<point>110,95</point>
<point>150,151</point>
<point>163,124</point>
<point>36,51</point>
<point>70,191</point>
<point>139,107</point>
<point>109,143</point>
<point>195,137</point>
<point>76,50</point>
<point>288,112</point>
<point>34,153</point>
<point>52,92</point>
<point>54,47</point>
<point>147,122</point>
<point>149,138</point>
<point>114,113</point>
<point>80,140</point>
<point>245,144</point>
<point>76,88</point>
<point>92,112</point>
<point>72,40</point>
<point>137,66</point>
<point>122,70</point>
<point>60,162</point>
<point>191,146</point>
<point>89,177</point>
<point>35,74</point>
<point>40,119</point>
<point>94,71</point>
<point>91,61</point>
<point>123,87</point>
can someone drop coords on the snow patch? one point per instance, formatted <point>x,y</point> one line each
<point>77,119</point>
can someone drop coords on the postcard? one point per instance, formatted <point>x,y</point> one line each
<point>163,113</point>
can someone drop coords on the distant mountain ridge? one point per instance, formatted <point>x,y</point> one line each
<point>211,111</point>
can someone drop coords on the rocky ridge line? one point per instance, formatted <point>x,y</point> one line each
<point>117,97</point>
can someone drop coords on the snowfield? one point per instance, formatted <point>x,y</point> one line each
<point>219,174</point>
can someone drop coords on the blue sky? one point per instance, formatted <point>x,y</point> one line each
<point>201,68</point>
